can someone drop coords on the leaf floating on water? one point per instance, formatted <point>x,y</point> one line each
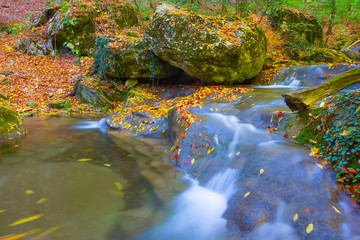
<point>21,235</point>
<point>322,104</point>
<point>107,164</point>
<point>117,193</point>
<point>246,194</point>
<point>29,191</point>
<point>210,150</point>
<point>336,210</point>
<point>84,159</point>
<point>307,210</point>
<point>319,165</point>
<point>27,219</point>
<point>296,216</point>
<point>261,171</point>
<point>41,200</point>
<point>119,186</point>
<point>309,228</point>
<point>238,153</point>
<point>1,211</point>
<point>47,232</point>
<point>229,155</point>
<point>192,161</point>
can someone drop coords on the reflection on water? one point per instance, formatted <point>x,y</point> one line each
<point>80,183</point>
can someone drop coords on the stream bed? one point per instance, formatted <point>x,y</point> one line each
<point>76,180</point>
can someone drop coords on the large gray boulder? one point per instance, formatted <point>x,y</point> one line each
<point>221,50</point>
<point>35,45</point>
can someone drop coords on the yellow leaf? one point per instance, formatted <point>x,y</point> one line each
<point>238,153</point>
<point>119,186</point>
<point>41,200</point>
<point>47,232</point>
<point>1,211</point>
<point>117,193</point>
<point>29,191</point>
<point>246,194</point>
<point>210,150</point>
<point>107,164</point>
<point>322,104</point>
<point>315,152</point>
<point>319,165</point>
<point>295,218</point>
<point>84,159</point>
<point>261,171</point>
<point>21,235</point>
<point>192,161</point>
<point>336,210</point>
<point>230,155</point>
<point>27,219</point>
<point>346,132</point>
<point>309,228</point>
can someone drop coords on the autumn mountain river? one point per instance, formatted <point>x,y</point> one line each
<point>73,179</point>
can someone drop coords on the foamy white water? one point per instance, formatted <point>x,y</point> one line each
<point>197,212</point>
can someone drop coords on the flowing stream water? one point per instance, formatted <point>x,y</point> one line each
<point>82,183</point>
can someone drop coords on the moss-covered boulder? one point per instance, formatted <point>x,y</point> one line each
<point>77,25</point>
<point>36,19</point>
<point>305,25</point>
<point>220,50</point>
<point>125,57</point>
<point>10,123</point>
<point>328,55</point>
<point>90,96</point>
<point>352,54</point>
<point>35,45</point>
<point>74,25</point>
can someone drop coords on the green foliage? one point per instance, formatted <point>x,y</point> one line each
<point>16,28</point>
<point>342,139</point>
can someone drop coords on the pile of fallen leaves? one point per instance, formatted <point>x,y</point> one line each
<point>39,79</point>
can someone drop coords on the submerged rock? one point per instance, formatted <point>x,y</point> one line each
<point>221,50</point>
<point>10,123</point>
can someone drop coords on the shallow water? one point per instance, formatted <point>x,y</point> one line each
<point>83,182</point>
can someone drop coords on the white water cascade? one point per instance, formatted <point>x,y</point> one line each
<point>197,212</point>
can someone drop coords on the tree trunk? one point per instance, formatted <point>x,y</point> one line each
<point>304,98</point>
<point>332,17</point>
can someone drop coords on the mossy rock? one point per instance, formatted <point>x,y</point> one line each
<point>36,19</point>
<point>305,25</point>
<point>35,45</point>
<point>328,55</point>
<point>77,26</point>
<point>217,50</point>
<point>91,96</point>
<point>60,104</point>
<point>352,54</point>
<point>295,45</point>
<point>129,60</point>
<point>10,123</point>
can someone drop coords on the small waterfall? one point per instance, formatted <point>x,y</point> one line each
<point>88,125</point>
<point>276,230</point>
<point>224,182</point>
<point>101,125</point>
<point>197,212</point>
<point>243,133</point>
